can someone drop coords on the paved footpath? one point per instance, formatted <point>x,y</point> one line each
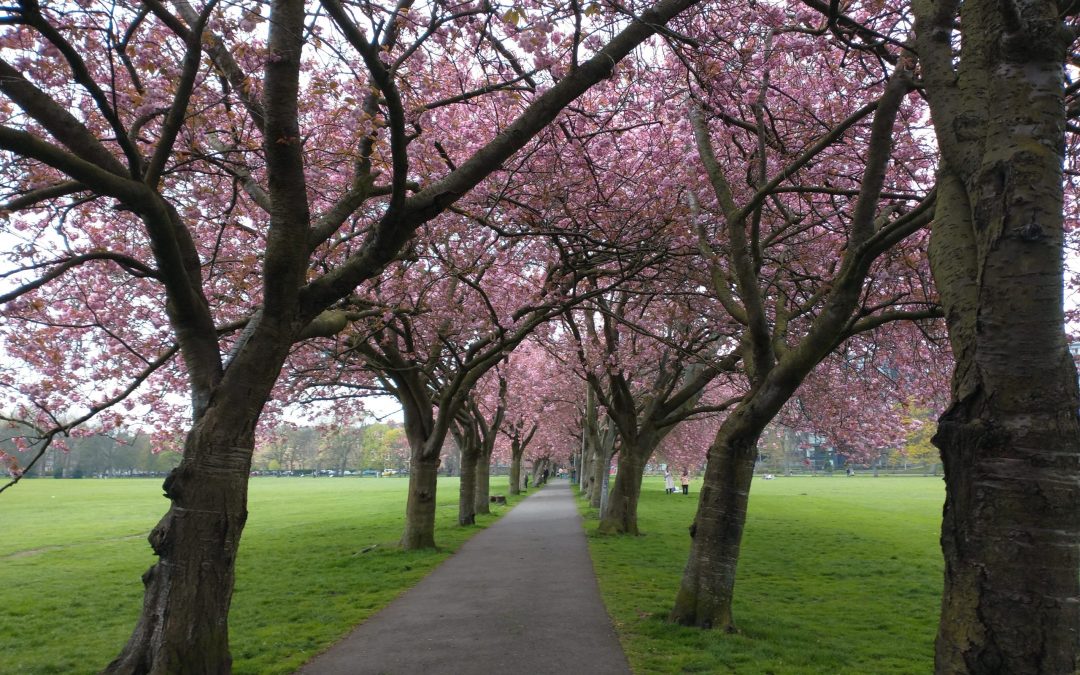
<point>521,596</point>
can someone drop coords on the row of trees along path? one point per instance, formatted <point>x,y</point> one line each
<point>628,227</point>
<point>302,189</point>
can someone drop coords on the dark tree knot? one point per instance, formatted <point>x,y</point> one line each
<point>1030,232</point>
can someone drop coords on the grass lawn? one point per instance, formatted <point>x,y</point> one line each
<point>72,552</point>
<point>837,575</point>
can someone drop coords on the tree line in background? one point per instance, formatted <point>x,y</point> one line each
<point>308,450</point>
<point>380,446</point>
<point>300,450</point>
<point>105,456</point>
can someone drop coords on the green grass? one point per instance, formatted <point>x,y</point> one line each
<point>72,552</point>
<point>837,575</point>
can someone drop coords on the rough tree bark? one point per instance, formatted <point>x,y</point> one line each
<point>420,509</point>
<point>1010,439</point>
<point>708,587</point>
<point>183,626</point>
<point>620,516</point>
<point>482,491</point>
<point>184,622</point>
<point>469,445</point>
<point>520,437</point>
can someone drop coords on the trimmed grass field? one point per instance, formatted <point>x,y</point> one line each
<point>72,552</point>
<point>838,575</point>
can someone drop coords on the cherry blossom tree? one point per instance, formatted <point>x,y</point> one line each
<point>430,331</point>
<point>219,181</point>
<point>653,337</point>
<point>655,357</point>
<point>803,229</point>
<point>543,416</point>
<point>476,432</point>
<point>518,434</point>
<point>447,319</point>
<point>533,381</point>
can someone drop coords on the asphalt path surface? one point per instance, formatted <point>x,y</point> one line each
<point>519,597</point>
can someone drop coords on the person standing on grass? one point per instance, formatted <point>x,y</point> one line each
<point>685,482</point>
<point>669,482</point>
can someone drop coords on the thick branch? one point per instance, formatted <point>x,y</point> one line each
<point>178,110</point>
<point>61,124</point>
<point>89,173</point>
<point>34,197</point>
<point>286,244</point>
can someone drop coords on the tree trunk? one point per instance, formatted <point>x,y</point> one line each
<point>420,510</point>
<point>601,464</point>
<point>482,493</point>
<point>183,627</point>
<point>538,470</point>
<point>1009,536</point>
<point>586,469</point>
<point>589,485</point>
<point>516,451</point>
<point>708,583</point>
<point>621,514</point>
<point>467,491</point>
<point>1009,439</point>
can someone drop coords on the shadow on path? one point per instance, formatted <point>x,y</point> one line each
<point>521,596</point>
